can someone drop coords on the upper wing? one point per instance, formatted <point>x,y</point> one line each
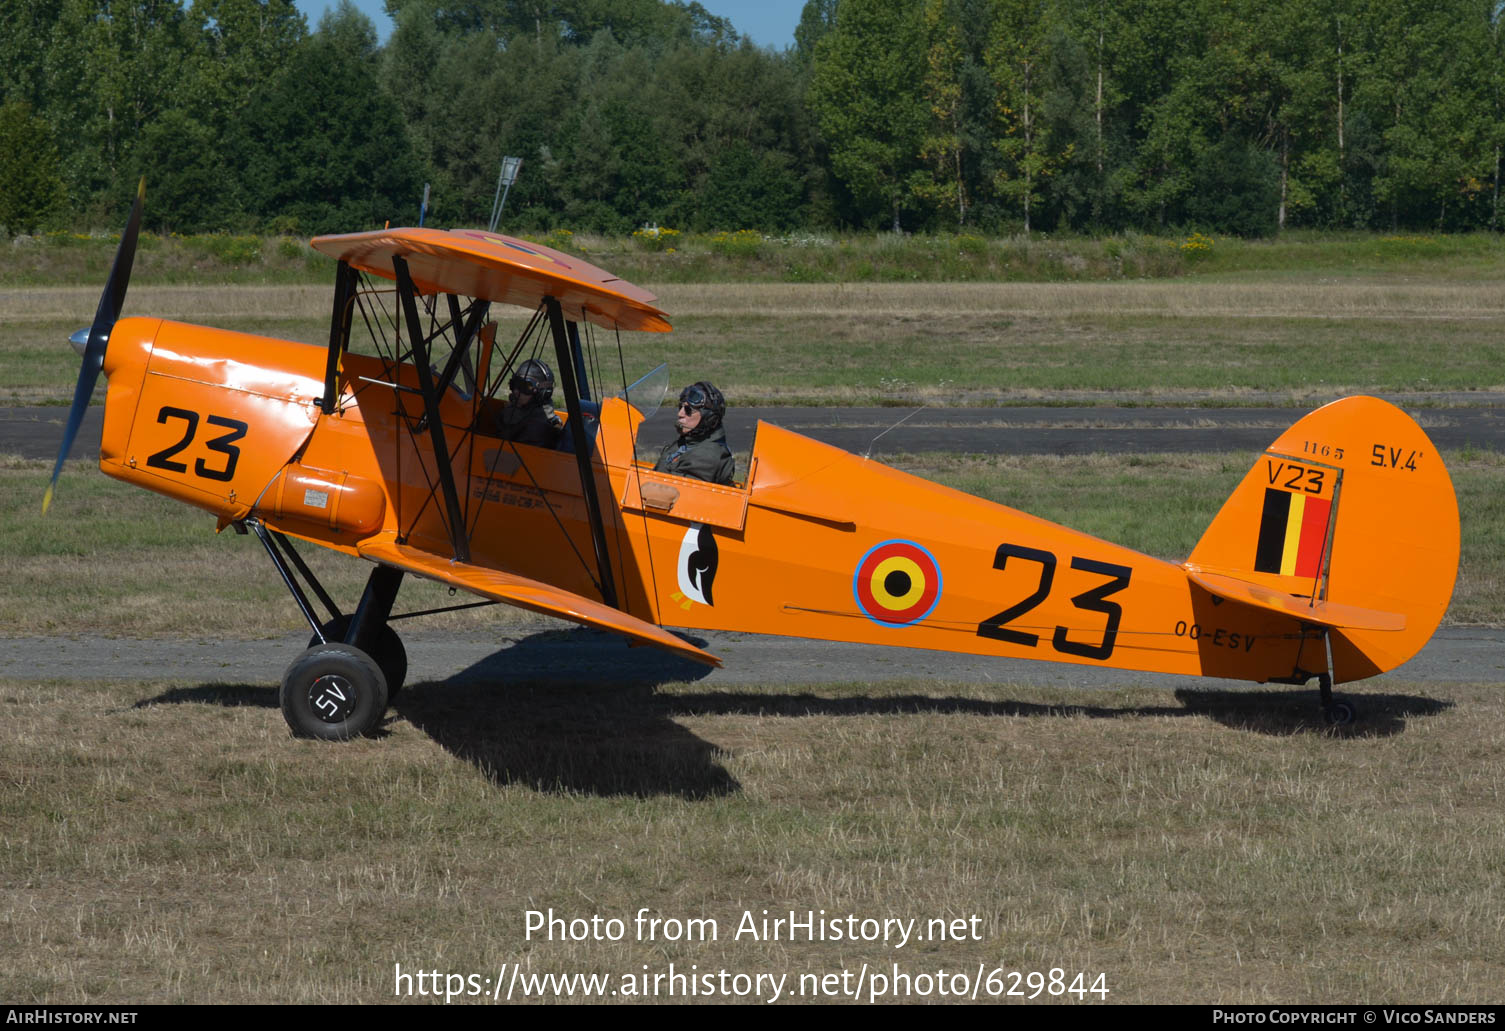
<point>529,594</point>
<point>492,267</point>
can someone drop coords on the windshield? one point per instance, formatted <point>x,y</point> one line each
<point>647,394</point>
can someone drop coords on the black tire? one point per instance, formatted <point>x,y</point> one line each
<point>333,692</point>
<point>388,652</point>
<point>1341,713</point>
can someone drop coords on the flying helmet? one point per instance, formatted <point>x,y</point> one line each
<point>536,378</point>
<point>708,400</point>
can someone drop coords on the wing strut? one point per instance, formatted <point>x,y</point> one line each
<point>566,365</point>
<point>446,470</point>
<point>465,330</point>
<point>580,377</point>
<point>339,333</point>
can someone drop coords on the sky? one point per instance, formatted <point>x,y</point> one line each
<point>770,23</point>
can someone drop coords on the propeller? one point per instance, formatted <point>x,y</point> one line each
<point>110,303</point>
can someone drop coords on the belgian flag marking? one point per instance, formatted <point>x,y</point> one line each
<point>897,583</point>
<point>1292,533</point>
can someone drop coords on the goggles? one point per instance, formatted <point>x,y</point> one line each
<point>693,397</point>
<point>521,385</point>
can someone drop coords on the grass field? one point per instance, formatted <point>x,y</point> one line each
<point>168,841</point>
<point>1144,343</point>
<point>811,257</point>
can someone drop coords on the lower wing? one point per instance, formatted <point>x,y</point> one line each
<point>529,594</point>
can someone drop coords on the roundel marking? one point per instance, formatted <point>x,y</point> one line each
<point>897,583</point>
<point>504,241</point>
<point>537,254</point>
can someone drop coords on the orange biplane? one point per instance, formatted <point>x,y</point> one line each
<point>1333,559</point>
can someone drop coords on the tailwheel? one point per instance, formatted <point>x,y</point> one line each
<point>387,650</point>
<point>1339,712</point>
<point>333,692</point>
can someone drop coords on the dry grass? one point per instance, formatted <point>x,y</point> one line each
<point>941,344</point>
<point>192,303</point>
<point>1369,298</point>
<point>168,842</point>
<point>1366,298</point>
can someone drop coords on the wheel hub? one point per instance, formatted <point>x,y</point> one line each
<point>332,698</point>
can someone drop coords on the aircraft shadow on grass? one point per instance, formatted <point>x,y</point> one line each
<point>574,710</point>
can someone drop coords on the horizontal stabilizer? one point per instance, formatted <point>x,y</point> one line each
<point>529,594</point>
<point>1323,613</point>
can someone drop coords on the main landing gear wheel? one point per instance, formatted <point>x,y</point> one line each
<point>388,652</point>
<point>333,692</point>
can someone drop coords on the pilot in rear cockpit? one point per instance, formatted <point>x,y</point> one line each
<point>528,417</point>
<point>700,450</point>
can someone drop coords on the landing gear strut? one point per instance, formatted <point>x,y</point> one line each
<point>387,650</point>
<point>340,686</point>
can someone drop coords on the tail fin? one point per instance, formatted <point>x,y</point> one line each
<point>1351,512</point>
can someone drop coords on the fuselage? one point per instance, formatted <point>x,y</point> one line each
<point>815,543</point>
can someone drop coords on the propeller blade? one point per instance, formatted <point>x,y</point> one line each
<point>105,317</point>
<point>113,299</point>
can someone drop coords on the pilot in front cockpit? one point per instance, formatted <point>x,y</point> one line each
<point>528,417</point>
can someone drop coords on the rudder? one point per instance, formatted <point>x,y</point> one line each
<point>1351,505</point>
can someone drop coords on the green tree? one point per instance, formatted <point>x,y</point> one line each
<point>1087,75</point>
<point>30,169</point>
<point>945,144</point>
<point>186,177</point>
<point>618,165</point>
<point>25,32</point>
<point>323,143</point>
<point>1017,59</point>
<point>749,189</point>
<point>735,120</point>
<point>1429,92</point>
<point>414,54</point>
<point>1174,54</point>
<point>817,18</point>
<point>1495,87</point>
<point>575,21</point>
<point>111,68</point>
<point>651,22</point>
<point>1235,188</point>
<point>237,45</point>
<point>867,98</point>
<point>1313,64</point>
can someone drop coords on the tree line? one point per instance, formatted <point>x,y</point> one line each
<point>1235,116</point>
